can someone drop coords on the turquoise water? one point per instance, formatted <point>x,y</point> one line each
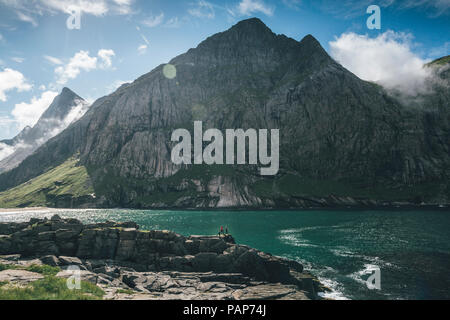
<point>411,248</point>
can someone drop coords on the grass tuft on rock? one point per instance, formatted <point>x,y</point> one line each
<point>44,270</point>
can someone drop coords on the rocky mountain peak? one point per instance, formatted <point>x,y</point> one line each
<point>252,25</point>
<point>247,34</point>
<point>62,105</point>
<point>66,108</point>
<point>252,48</point>
<point>68,93</point>
<point>310,41</point>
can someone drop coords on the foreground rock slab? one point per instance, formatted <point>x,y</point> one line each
<point>19,276</point>
<point>128,263</point>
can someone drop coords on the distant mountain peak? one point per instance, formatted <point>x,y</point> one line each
<point>66,108</point>
<point>62,104</point>
<point>69,94</point>
<point>66,90</point>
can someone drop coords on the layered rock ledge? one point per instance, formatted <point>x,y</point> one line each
<point>128,263</point>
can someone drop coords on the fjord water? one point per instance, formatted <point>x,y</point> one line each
<point>411,248</point>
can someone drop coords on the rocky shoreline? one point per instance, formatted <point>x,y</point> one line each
<point>128,263</point>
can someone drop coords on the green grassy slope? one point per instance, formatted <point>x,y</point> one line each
<point>440,61</point>
<point>48,288</point>
<point>53,188</point>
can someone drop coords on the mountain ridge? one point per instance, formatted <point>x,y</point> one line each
<point>344,141</point>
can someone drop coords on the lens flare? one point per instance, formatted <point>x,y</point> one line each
<point>169,71</point>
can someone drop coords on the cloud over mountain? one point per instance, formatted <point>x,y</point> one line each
<point>82,61</point>
<point>387,59</point>
<point>11,79</point>
<point>26,114</point>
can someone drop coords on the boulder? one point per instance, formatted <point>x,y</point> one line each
<point>55,218</point>
<point>50,260</point>
<point>69,261</point>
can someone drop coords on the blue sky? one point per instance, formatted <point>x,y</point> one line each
<point>120,40</point>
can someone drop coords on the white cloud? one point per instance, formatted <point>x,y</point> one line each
<point>106,57</point>
<point>82,61</point>
<point>123,6</point>
<point>386,59</point>
<point>53,60</point>
<point>293,4</point>
<point>249,7</point>
<point>173,23</point>
<point>202,9</point>
<point>18,59</point>
<point>54,126</point>
<point>27,114</point>
<point>28,10</point>
<point>11,79</point>
<point>6,150</point>
<point>93,7</point>
<point>26,18</point>
<point>348,9</point>
<point>123,2</point>
<point>145,39</point>
<point>439,7</point>
<point>142,49</point>
<point>153,21</point>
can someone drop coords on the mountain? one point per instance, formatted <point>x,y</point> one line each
<point>66,108</point>
<point>440,62</point>
<point>343,141</point>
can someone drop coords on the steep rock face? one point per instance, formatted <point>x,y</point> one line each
<point>348,136</point>
<point>66,108</point>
